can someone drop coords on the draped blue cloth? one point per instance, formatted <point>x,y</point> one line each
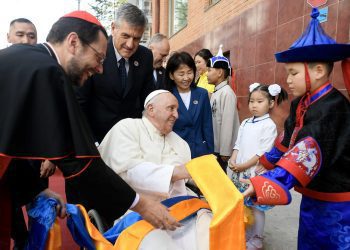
<point>43,212</point>
<point>76,225</point>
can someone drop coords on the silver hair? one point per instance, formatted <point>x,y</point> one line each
<point>156,38</point>
<point>131,14</point>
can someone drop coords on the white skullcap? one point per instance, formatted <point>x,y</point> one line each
<point>154,94</point>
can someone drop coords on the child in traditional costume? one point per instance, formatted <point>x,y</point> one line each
<point>313,154</point>
<point>223,104</point>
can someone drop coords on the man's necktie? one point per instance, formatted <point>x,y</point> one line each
<point>155,78</point>
<point>123,74</point>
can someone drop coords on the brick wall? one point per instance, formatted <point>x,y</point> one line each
<point>252,31</point>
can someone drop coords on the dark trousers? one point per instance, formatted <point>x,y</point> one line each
<point>222,163</point>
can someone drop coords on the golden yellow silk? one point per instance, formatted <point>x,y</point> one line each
<point>226,202</point>
<point>100,242</point>
<point>54,238</point>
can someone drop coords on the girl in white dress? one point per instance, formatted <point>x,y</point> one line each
<point>256,136</point>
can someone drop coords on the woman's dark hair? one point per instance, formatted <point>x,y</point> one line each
<point>282,96</point>
<point>87,32</point>
<point>205,54</point>
<point>174,62</point>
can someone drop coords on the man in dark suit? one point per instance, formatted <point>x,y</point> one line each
<point>127,75</point>
<point>44,121</point>
<point>160,47</point>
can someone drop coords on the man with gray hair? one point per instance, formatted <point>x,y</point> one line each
<point>160,47</point>
<point>127,75</point>
<point>146,152</point>
<point>151,158</point>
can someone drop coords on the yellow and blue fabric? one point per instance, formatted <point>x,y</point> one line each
<point>45,231</point>
<point>227,229</point>
<point>131,237</point>
<point>226,202</point>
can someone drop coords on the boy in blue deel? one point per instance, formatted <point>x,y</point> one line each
<point>313,153</point>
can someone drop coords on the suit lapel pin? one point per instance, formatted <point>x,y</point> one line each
<point>136,63</point>
<point>160,72</point>
<point>195,102</point>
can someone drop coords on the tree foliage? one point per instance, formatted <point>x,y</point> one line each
<point>105,10</point>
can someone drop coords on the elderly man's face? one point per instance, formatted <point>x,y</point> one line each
<point>164,112</point>
<point>160,51</point>
<point>126,38</point>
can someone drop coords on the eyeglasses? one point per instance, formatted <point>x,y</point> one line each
<point>101,58</point>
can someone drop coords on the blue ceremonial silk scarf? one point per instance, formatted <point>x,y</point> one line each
<point>43,212</point>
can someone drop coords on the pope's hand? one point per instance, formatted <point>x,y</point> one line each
<point>180,172</point>
<point>156,214</point>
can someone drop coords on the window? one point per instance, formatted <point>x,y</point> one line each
<point>177,15</point>
<point>212,2</point>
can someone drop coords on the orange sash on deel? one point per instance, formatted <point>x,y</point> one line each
<point>5,206</point>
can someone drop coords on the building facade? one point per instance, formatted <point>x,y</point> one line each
<point>251,31</point>
<point>145,6</point>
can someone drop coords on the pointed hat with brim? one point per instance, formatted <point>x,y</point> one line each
<point>219,61</point>
<point>314,46</point>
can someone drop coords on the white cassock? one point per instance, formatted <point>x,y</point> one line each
<point>145,159</point>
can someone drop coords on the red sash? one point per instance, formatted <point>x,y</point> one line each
<point>5,207</point>
<point>4,162</point>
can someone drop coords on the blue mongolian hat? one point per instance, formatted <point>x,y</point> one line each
<point>314,46</point>
<point>219,61</point>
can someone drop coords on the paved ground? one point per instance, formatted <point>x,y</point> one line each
<point>281,228</point>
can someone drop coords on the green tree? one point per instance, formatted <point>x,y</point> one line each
<point>105,11</point>
<point>180,14</point>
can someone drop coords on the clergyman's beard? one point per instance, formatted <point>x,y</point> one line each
<point>74,72</point>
